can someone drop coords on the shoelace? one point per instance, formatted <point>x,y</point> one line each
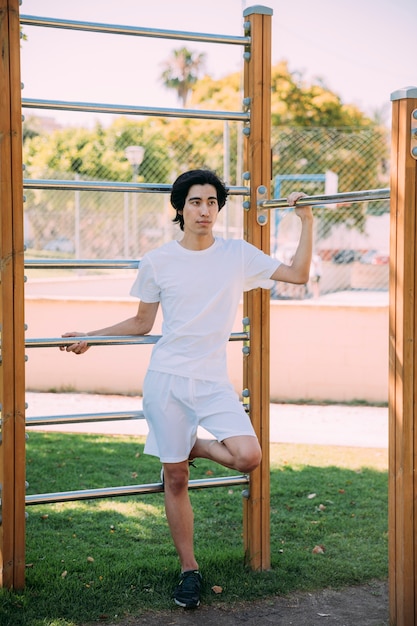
<point>190,584</point>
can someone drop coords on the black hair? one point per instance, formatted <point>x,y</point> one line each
<point>183,183</point>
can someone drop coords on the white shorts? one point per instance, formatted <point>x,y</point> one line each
<point>174,407</point>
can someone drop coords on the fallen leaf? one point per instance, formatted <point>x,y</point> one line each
<point>44,516</point>
<point>64,573</point>
<point>311,496</point>
<point>29,565</point>
<point>217,589</point>
<point>90,559</point>
<point>322,507</point>
<point>318,550</point>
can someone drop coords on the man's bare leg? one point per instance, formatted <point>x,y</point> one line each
<point>242,453</point>
<point>179,512</point>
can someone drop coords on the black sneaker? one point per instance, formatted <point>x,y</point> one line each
<point>187,592</point>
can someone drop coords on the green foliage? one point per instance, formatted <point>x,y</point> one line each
<point>97,154</point>
<point>223,94</point>
<point>297,103</point>
<point>32,127</point>
<point>182,143</point>
<point>312,132</point>
<point>99,559</point>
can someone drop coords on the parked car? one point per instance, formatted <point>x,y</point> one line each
<point>345,256</point>
<point>373,257</point>
<point>60,244</point>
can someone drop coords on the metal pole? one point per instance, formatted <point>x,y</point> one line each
<point>77,221</point>
<point>135,214</point>
<point>104,185</point>
<point>335,198</point>
<point>121,29</point>
<point>124,109</point>
<point>126,225</point>
<point>55,342</point>
<point>131,490</point>
<point>226,170</point>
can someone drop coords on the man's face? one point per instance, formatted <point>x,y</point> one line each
<point>200,210</point>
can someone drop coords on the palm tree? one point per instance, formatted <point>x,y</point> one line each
<point>181,72</point>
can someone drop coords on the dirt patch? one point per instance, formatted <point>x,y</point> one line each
<point>365,605</point>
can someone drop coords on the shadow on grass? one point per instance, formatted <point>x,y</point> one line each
<point>99,559</point>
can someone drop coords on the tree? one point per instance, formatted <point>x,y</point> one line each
<point>98,153</point>
<point>31,127</point>
<point>312,131</point>
<point>181,72</point>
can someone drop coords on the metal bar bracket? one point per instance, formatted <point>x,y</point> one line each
<point>413,143</point>
<point>246,400</point>
<point>261,213</point>
<point>246,329</point>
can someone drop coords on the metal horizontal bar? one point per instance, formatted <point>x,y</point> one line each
<point>95,185</point>
<point>82,263</point>
<point>56,342</point>
<point>119,29</point>
<point>130,490</point>
<point>337,198</point>
<point>80,418</point>
<point>124,109</point>
<point>102,185</point>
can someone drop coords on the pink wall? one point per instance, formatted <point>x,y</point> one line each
<point>320,350</point>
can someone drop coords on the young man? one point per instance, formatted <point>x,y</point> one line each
<point>199,282</point>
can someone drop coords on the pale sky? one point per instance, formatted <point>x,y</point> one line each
<point>363,50</point>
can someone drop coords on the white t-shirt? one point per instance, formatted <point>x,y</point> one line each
<point>199,292</point>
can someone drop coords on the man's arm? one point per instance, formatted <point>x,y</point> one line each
<point>140,324</point>
<point>299,270</point>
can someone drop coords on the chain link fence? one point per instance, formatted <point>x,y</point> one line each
<point>350,244</point>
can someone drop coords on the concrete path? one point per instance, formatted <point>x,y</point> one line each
<point>339,425</point>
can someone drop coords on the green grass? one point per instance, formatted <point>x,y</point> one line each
<point>101,560</point>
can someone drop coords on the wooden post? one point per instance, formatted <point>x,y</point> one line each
<point>12,376</point>
<point>257,80</point>
<point>403,362</point>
